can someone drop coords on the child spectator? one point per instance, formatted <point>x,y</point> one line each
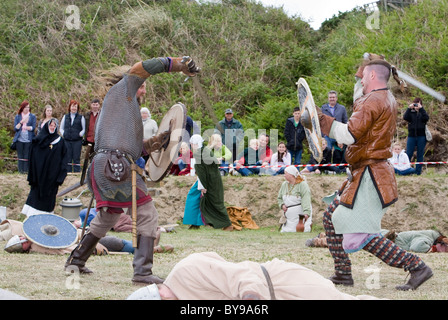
<point>400,161</point>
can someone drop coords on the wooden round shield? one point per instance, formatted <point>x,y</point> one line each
<point>160,162</point>
<point>306,103</point>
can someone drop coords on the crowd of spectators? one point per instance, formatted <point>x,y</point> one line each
<point>258,158</point>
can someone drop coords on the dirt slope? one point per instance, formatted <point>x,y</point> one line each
<point>421,204</point>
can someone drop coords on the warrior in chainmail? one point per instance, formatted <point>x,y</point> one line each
<point>118,143</point>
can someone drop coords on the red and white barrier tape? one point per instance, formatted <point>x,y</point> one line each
<point>329,165</point>
<point>18,159</point>
<point>268,166</point>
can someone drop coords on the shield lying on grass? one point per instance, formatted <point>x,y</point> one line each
<point>50,231</point>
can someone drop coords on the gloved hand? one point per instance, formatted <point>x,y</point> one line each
<point>191,65</point>
<point>186,65</point>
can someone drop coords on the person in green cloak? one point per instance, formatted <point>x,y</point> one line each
<point>211,199</point>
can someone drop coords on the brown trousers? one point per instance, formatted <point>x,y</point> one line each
<point>147,221</point>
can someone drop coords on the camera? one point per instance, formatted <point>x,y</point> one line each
<point>415,104</point>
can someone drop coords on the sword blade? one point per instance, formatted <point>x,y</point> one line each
<point>421,86</point>
<point>70,189</point>
<point>207,103</point>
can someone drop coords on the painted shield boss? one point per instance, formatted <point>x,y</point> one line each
<point>50,231</point>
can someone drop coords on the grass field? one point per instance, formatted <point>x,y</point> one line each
<point>41,277</point>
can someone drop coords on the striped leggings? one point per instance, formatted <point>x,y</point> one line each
<point>381,247</point>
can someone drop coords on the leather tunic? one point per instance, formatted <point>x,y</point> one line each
<point>372,125</point>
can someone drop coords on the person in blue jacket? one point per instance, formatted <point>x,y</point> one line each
<point>24,127</point>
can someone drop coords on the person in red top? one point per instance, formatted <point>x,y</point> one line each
<point>264,152</point>
<point>91,117</point>
<point>182,166</point>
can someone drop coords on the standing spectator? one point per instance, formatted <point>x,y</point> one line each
<point>24,126</point>
<point>335,110</point>
<point>220,152</point>
<point>417,118</point>
<point>281,158</point>
<point>250,158</point>
<point>191,128</point>
<point>47,171</point>
<point>232,133</point>
<point>192,210</point>
<point>400,161</point>
<point>91,117</point>
<point>294,135</point>
<point>205,201</point>
<point>46,116</point>
<point>73,126</point>
<point>150,128</point>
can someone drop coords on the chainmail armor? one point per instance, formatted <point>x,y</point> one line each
<point>119,127</point>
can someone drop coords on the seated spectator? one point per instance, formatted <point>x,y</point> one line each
<point>264,150</point>
<point>279,160</point>
<point>325,160</point>
<point>220,152</point>
<point>400,161</point>
<point>182,165</point>
<point>339,155</point>
<point>250,158</point>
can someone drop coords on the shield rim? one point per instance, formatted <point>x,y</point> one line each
<point>311,107</point>
<point>47,246</point>
<point>172,138</point>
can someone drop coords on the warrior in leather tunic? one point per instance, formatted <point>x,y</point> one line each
<point>353,220</point>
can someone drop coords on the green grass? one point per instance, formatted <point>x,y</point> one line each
<point>112,273</point>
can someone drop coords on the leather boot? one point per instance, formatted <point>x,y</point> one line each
<point>81,253</point>
<point>418,277</point>
<point>344,279</point>
<point>143,260</point>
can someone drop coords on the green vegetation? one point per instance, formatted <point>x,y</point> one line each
<point>251,56</point>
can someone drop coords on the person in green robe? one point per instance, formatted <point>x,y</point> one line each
<point>210,183</point>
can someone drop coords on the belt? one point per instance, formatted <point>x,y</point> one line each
<point>268,280</point>
<point>364,163</point>
<point>127,156</point>
<point>116,152</point>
